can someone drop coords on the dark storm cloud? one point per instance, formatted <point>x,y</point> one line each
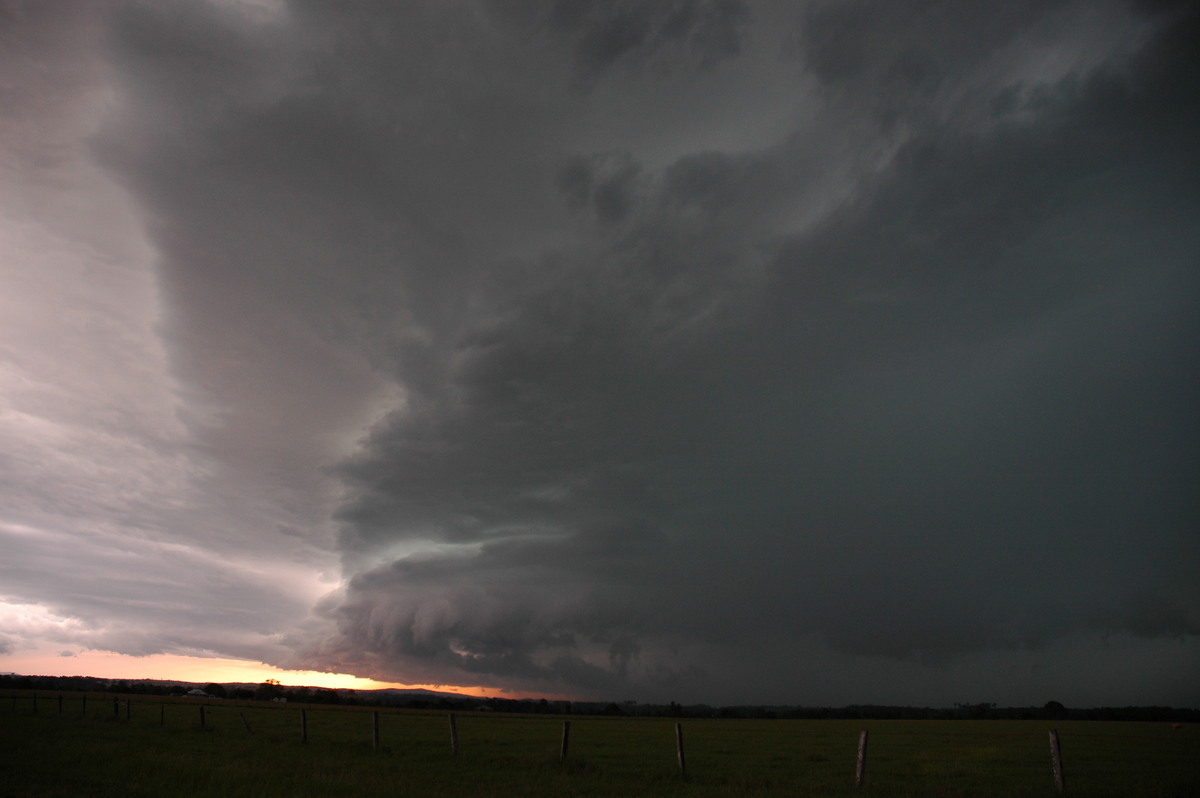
<point>618,32</point>
<point>513,611</point>
<point>953,419</point>
<point>885,382</point>
<point>913,50</point>
<point>1009,407</point>
<point>928,60</point>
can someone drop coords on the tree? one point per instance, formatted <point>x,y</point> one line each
<point>976,711</point>
<point>1054,711</point>
<point>268,690</point>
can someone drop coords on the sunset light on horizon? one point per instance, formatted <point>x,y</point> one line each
<point>218,670</point>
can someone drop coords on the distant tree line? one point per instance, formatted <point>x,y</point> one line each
<point>272,690</point>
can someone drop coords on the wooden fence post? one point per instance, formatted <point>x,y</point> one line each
<point>453,735</point>
<point>566,739</point>
<point>375,730</point>
<point>860,772</point>
<point>679,750</point>
<point>1060,780</point>
<point>304,725</point>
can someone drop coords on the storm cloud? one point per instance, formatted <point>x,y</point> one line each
<point>700,351</point>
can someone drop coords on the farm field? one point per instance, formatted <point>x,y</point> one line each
<point>157,747</point>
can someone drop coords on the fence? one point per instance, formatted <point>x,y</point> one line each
<point>326,725</point>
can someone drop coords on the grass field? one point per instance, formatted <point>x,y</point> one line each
<point>160,749</point>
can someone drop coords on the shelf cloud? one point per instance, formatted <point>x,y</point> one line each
<point>736,352</point>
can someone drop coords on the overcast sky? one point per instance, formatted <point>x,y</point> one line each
<point>704,350</point>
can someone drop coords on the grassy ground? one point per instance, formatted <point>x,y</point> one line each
<point>161,749</point>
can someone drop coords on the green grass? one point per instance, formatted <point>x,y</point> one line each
<point>46,755</point>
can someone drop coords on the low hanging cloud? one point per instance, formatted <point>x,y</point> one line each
<point>703,351</point>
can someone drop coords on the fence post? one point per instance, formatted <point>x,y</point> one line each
<point>453,735</point>
<point>566,739</point>
<point>304,726</point>
<point>860,772</point>
<point>375,730</point>
<point>1060,780</point>
<point>679,750</point>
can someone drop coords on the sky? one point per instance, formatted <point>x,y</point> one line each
<point>713,351</point>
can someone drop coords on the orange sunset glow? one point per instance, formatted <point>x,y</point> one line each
<point>221,670</point>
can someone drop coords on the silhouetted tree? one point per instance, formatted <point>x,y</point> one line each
<point>1054,711</point>
<point>975,711</point>
<point>268,690</point>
